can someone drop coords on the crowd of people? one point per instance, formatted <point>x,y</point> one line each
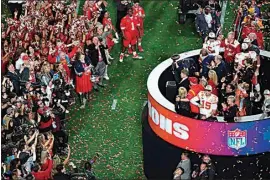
<point>50,56</point>
<point>225,79</point>
<point>266,22</point>
<point>206,170</point>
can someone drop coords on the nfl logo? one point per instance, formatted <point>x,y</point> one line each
<point>237,139</point>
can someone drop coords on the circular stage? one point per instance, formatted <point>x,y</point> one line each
<point>239,150</point>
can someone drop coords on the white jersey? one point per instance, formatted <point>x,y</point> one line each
<point>209,103</point>
<point>266,104</point>
<point>212,46</point>
<point>241,57</point>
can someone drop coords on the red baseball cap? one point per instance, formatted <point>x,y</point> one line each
<point>193,80</point>
<point>25,58</point>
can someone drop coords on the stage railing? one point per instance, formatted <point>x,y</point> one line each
<point>238,25</point>
<point>250,136</point>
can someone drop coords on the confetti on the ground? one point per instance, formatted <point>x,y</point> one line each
<point>117,134</point>
<point>114,104</point>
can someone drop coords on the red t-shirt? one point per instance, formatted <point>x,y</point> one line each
<point>107,22</point>
<point>44,51</point>
<point>194,90</point>
<point>139,12</point>
<point>88,13</point>
<point>44,175</point>
<point>44,125</point>
<point>260,39</point>
<point>63,37</point>
<point>95,8</point>
<point>246,30</point>
<point>46,164</point>
<point>230,50</point>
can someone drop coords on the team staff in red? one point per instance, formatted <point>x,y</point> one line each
<point>140,14</point>
<point>130,27</point>
<point>106,21</point>
<point>195,88</point>
<point>231,48</point>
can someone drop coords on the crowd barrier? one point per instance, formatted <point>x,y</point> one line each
<point>237,26</point>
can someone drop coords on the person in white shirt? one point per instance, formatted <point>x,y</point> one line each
<point>20,62</point>
<point>212,44</point>
<point>240,59</point>
<point>207,103</point>
<point>208,17</point>
<point>242,56</point>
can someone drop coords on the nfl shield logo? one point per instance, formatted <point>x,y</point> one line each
<point>237,139</point>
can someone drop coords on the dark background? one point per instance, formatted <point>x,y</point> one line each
<point>161,159</point>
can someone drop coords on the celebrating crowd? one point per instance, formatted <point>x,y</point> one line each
<point>51,56</point>
<point>225,79</point>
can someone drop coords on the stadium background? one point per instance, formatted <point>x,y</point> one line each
<point>116,134</point>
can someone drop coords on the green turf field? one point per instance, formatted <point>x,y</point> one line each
<point>4,10</point>
<point>116,134</point>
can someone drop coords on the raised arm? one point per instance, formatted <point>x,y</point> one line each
<point>73,52</point>
<point>51,57</point>
<point>68,157</point>
<point>195,100</point>
<point>84,38</point>
<point>47,142</point>
<point>31,139</point>
<point>33,148</point>
<point>51,145</point>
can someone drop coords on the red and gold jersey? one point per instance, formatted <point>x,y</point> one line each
<point>194,90</point>
<point>96,7</point>
<point>130,24</point>
<point>230,49</point>
<point>138,12</point>
<point>107,22</point>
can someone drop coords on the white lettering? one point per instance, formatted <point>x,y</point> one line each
<point>155,116</point>
<point>177,129</point>
<point>162,122</point>
<point>165,124</point>
<point>180,131</point>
